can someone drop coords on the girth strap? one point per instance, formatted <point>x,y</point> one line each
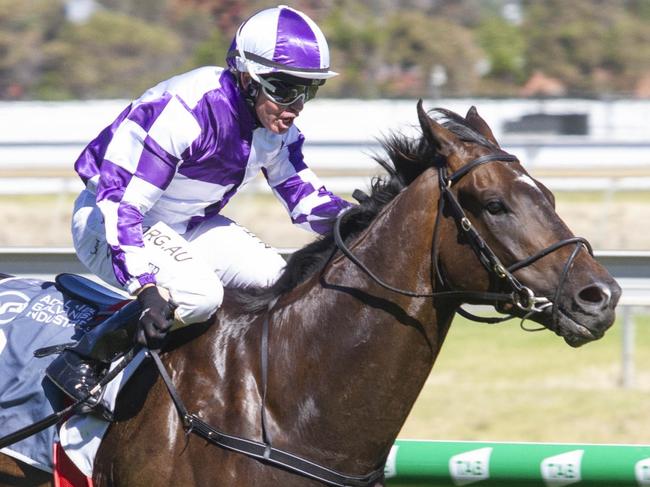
<point>259,450</point>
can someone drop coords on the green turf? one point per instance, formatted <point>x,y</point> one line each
<point>501,383</point>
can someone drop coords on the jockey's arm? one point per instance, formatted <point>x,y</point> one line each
<point>138,166</point>
<point>310,205</point>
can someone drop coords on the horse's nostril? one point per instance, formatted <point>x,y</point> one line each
<point>595,295</point>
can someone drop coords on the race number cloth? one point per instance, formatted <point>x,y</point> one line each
<point>33,314</point>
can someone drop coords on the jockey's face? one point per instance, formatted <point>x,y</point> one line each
<point>276,118</point>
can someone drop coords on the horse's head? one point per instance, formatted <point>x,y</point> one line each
<point>527,248</point>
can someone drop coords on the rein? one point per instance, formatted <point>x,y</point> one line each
<point>520,296</point>
<point>261,450</point>
<point>192,423</point>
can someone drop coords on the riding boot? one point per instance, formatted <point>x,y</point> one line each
<point>79,368</point>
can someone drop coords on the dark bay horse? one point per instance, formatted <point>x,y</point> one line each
<point>347,357</point>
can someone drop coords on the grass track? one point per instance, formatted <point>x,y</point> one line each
<point>501,383</point>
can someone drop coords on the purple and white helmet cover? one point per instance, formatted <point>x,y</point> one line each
<point>281,39</point>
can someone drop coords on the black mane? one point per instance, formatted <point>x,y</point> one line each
<point>406,158</point>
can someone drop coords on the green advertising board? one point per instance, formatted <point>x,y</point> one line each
<point>444,463</point>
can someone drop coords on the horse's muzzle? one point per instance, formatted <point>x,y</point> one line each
<point>588,313</point>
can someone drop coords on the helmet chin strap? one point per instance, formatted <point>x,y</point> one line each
<point>250,93</point>
<point>251,90</point>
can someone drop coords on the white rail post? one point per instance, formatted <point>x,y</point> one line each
<point>627,338</point>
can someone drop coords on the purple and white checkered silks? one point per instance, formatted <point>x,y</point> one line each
<point>281,39</point>
<point>179,153</point>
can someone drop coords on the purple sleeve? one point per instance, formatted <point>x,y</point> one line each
<point>310,205</point>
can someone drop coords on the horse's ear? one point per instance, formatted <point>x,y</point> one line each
<point>480,125</point>
<point>439,137</point>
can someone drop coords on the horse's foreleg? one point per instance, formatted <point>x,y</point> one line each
<point>14,473</point>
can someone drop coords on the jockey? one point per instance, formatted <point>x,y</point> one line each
<point>157,178</point>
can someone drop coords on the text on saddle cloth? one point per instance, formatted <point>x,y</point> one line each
<point>33,315</point>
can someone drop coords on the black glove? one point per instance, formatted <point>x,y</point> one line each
<point>155,320</point>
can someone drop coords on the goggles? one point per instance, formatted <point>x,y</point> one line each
<point>285,93</point>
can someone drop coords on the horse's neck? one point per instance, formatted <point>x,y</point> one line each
<point>355,356</point>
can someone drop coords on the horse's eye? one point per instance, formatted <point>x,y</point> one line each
<point>495,207</point>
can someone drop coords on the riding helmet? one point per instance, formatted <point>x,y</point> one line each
<point>281,40</point>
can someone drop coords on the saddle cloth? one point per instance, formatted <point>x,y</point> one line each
<point>35,314</point>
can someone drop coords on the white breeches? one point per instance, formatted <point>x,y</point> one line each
<point>193,267</point>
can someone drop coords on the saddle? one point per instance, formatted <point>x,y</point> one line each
<point>104,300</point>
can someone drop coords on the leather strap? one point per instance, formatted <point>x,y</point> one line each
<point>262,451</point>
<point>54,418</point>
<point>520,296</point>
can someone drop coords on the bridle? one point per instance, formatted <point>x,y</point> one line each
<point>521,297</point>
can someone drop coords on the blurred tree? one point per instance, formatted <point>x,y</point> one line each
<point>505,46</point>
<point>639,9</point>
<point>111,55</point>
<point>417,46</point>
<point>355,36</point>
<point>627,53</point>
<point>226,14</point>
<point>153,11</point>
<point>203,43</point>
<point>569,40</point>
<point>192,20</point>
<point>381,47</point>
<point>219,20</point>
<point>468,13</point>
<point>25,25</point>
<point>211,51</point>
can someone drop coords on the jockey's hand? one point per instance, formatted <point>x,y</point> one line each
<point>155,320</point>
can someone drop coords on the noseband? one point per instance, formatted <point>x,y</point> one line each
<point>520,296</point>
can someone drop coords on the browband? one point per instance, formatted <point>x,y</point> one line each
<point>502,156</point>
